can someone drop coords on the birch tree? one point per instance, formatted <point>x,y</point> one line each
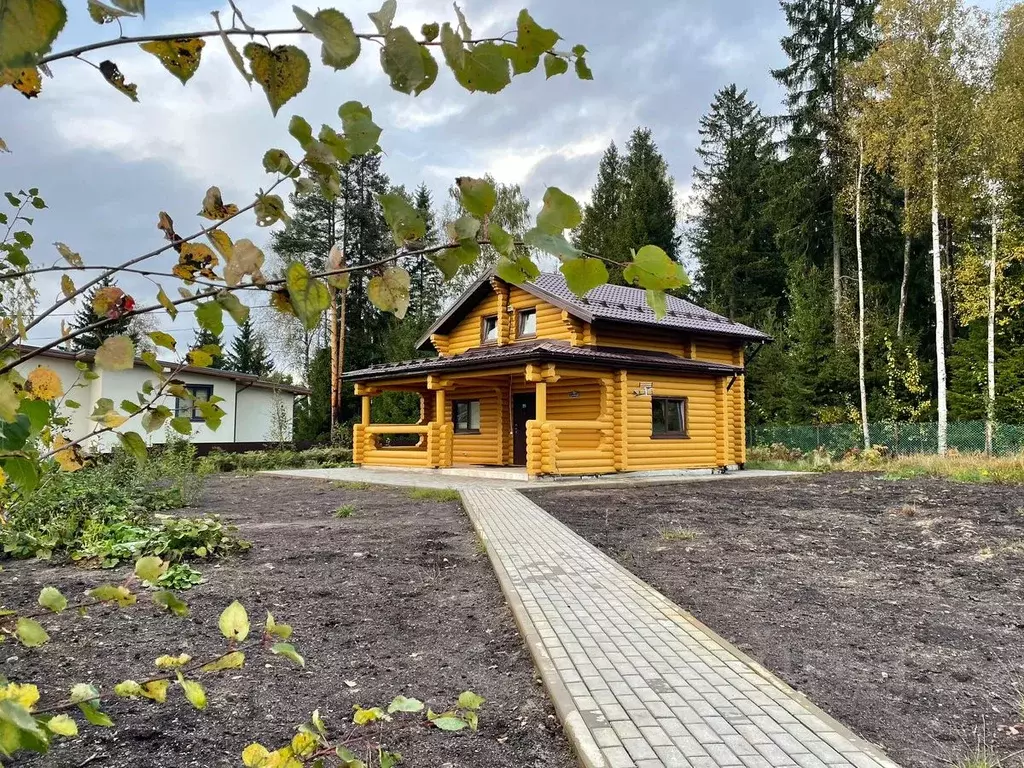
<point>920,87</point>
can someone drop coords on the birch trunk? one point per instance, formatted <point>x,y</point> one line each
<point>940,315</point>
<point>906,267</point>
<point>990,405</point>
<point>837,279</point>
<point>860,302</point>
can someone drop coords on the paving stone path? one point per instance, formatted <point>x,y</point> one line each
<point>637,681</point>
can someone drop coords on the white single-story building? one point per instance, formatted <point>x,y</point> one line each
<point>256,410</point>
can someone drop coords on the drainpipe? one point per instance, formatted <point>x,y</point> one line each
<point>234,418</point>
<point>752,356</point>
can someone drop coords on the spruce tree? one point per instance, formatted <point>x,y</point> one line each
<point>249,352</point>
<point>427,283</point>
<point>205,338</point>
<point>86,317</point>
<point>599,231</point>
<point>733,239</point>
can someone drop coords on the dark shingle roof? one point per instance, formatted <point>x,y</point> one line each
<point>542,350</point>
<point>619,303</point>
<point>606,303</point>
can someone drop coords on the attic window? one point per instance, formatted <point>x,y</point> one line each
<point>489,330</point>
<point>527,323</point>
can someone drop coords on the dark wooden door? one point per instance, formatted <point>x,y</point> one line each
<point>524,408</point>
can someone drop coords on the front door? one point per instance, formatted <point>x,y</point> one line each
<point>524,409</point>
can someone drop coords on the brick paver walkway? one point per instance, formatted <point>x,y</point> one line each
<point>637,681</point>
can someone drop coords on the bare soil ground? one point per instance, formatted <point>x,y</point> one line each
<point>395,599</point>
<point>896,606</point>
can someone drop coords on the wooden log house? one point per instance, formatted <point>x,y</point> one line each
<point>534,376</point>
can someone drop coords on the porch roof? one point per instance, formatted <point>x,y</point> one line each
<point>542,351</point>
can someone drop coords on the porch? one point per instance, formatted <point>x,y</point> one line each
<point>545,419</point>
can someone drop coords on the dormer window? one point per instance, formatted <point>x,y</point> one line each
<point>527,323</point>
<point>489,330</point>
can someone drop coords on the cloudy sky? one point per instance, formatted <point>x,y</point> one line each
<point>107,166</point>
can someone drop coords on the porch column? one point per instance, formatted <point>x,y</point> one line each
<point>360,438</point>
<point>541,440</point>
<point>440,434</point>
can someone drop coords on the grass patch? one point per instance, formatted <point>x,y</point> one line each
<point>346,510</point>
<point>678,534</point>
<point>959,467</point>
<point>351,485</point>
<point>435,494</point>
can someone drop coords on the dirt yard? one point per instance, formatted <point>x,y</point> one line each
<point>395,599</point>
<point>897,606</point>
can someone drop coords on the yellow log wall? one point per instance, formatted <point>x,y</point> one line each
<point>486,447</point>
<point>719,350</point>
<point>700,449</point>
<point>648,339</point>
<point>466,335</point>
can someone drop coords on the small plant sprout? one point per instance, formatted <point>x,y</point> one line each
<point>351,485</point>
<point>345,510</point>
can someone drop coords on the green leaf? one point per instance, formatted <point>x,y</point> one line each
<point>554,65</point>
<point>94,716</point>
<point>102,13</point>
<point>582,70</point>
<point>234,622</point>
<point>165,301</point>
<point>9,401</point>
<point>486,69</point>
<point>404,220</point>
<point>233,660</point>
<point>556,245</point>
<point>560,212</point>
<point>389,292</point>
<point>365,716</point>
<point>383,18</point>
<point>464,228</point>
<point>30,632</point>
<point>116,353</point>
<point>20,730</point>
<point>332,28</point>
<point>301,130</point>
<point>269,210</point>
<point>179,57</point>
<point>309,296</point>
<point>532,40</point>
<point>193,692</point>
<point>360,130</point>
<point>450,260</point>
<point>478,196</point>
<point>51,599</point>
<point>430,31</point>
<point>162,339</point>
<point>656,301</point>
<point>233,54</point>
<point>449,723</point>
<point>182,425</point>
<point>283,72</point>
<point>288,651</point>
<point>517,270</point>
<point>62,725</point>
<point>582,275</point>
<point>389,759</point>
<point>113,593</point>
<point>467,33</point>
<point>402,704</point>
<point>28,29</point>
<point>278,161</point>
<point>238,311</point>
<point>83,692</point>
<point>652,268</point>
<point>402,61</point>
<point>134,444</point>
<point>150,568</point>
<point>429,71</point>
<point>452,48</point>
<point>274,629</point>
<point>38,413</point>
<point>169,601</point>
<point>470,700</point>
<point>210,316</point>
<point>22,472</point>
<point>137,7</point>
<point>501,240</point>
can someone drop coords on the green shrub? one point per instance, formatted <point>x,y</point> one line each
<point>344,511</point>
<point>259,461</point>
<point>179,576</point>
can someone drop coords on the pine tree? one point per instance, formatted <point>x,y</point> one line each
<point>599,232</point>
<point>206,338</point>
<point>733,238</point>
<point>249,352</point>
<point>86,317</point>
<point>648,213</point>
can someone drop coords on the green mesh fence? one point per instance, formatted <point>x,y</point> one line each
<point>900,438</point>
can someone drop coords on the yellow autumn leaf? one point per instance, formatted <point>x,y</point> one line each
<point>67,286</point>
<point>222,242</point>
<point>25,695</point>
<point>156,690</point>
<point>116,353</point>
<point>3,478</point>
<point>172,662</point>
<point>255,756</point>
<point>44,384</point>
<point>180,57</point>
<point>214,207</point>
<point>25,81</point>
<point>193,259</point>
<point>69,459</point>
<point>114,419</point>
